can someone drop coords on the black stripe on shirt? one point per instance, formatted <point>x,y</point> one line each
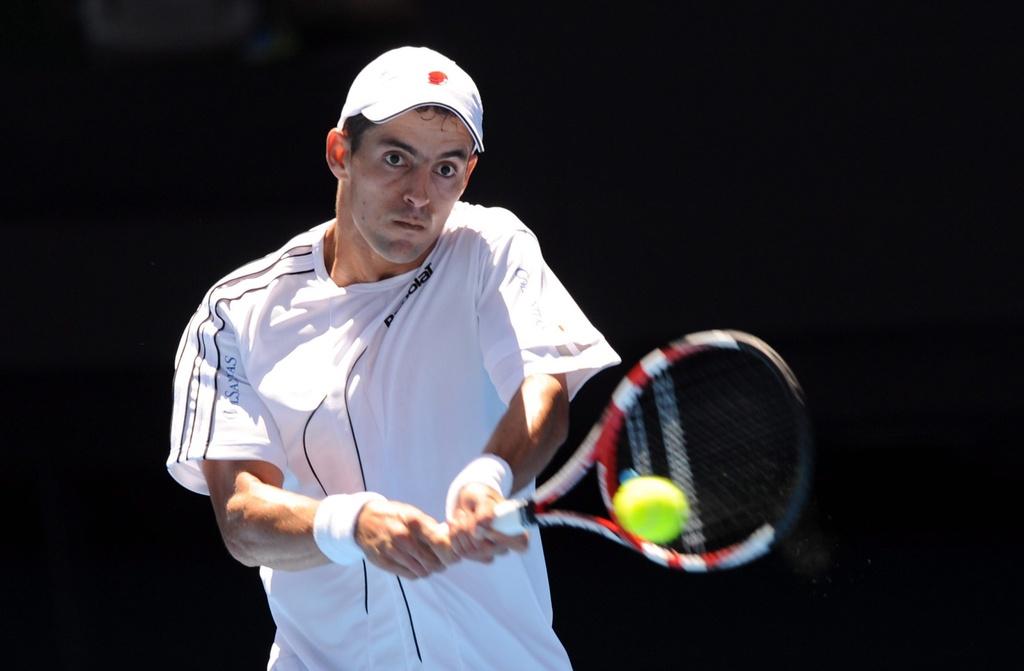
<point>287,255</point>
<point>223,322</point>
<point>186,445</point>
<point>409,612</point>
<point>201,343</point>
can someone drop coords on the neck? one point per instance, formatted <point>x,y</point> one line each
<point>349,260</point>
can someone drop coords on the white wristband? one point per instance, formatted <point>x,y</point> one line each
<point>489,469</point>
<point>334,525</point>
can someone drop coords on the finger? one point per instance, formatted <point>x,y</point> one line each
<point>439,551</point>
<point>402,548</point>
<point>478,500</point>
<point>475,544</point>
<point>487,549</point>
<point>460,530</point>
<point>519,542</point>
<point>483,512</point>
<point>444,545</point>
<point>398,549</point>
<point>455,536</point>
<point>474,540</point>
<point>468,500</point>
<point>482,556</point>
<point>467,547</point>
<point>429,548</point>
<point>413,523</point>
<point>415,557</point>
<point>418,556</point>
<point>515,541</point>
<point>497,549</point>
<point>433,542</point>
<point>387,564</point>
<point>444,551</point>
<point>463,545</point>
<point>484,521</point>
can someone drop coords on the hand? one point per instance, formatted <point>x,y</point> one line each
<point>403,540</point>
<point>470,527</point>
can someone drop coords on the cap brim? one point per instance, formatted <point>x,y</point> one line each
<point>384,111</point>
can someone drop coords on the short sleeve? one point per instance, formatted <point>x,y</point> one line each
<point>217,414</point>
<point>529,324</point>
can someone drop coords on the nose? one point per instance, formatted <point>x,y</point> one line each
<point>416,190</point>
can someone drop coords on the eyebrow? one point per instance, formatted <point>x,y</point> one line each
<point>452,153</point>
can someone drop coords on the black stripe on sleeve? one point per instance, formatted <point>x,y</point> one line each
<point>184,444</point>
<point>231,280</point>
<point>223,322</point>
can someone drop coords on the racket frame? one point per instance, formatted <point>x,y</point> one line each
<point>517,515</point>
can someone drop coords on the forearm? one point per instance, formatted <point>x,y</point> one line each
<point>532,429</point>
<point>264,525</point>
<point>526,438</point>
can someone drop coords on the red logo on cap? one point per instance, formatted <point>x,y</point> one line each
<point>437,77</point>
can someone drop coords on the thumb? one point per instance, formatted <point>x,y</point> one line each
<point>412,522</point>
<point>468,501</point>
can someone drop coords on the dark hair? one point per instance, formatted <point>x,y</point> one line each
<point>356,126</point>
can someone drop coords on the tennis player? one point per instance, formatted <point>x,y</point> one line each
<point>356,402</point>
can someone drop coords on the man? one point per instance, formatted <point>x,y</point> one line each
<point>357,402</point>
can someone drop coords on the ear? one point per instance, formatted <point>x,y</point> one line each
<point>337,152</point>
<point>470,167</point>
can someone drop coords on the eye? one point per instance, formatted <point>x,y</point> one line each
<point>446,170</point>
<point>393,159</point>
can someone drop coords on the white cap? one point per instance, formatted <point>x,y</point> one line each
<point>409,77</point>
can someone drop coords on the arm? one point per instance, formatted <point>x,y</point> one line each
<point>264,525</point>
<point>527,437</point>
<point>533,428</point>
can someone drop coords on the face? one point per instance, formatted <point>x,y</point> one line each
<point>399,187</point>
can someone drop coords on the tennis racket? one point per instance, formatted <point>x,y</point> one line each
<point>721,415</point>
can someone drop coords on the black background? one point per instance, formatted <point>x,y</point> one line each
<point>841,179</point>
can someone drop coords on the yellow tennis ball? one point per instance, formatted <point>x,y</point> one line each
<point>651,507</point>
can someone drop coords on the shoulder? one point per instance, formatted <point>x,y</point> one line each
<point>296,254</point>
<point>247,284</point>
<point>491,228</point>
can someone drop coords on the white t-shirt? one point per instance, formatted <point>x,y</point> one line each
<point>390,387</point>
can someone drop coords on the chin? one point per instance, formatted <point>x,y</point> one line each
<point>402,254</point>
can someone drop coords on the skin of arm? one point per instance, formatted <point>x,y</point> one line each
<point>533,428</point>
<point>264,525</point>
<point>527,437</point>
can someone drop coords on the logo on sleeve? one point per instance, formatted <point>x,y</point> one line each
<point>522,277</point>
<point>233,393</point>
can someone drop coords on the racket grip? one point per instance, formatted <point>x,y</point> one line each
<point>512,517</point>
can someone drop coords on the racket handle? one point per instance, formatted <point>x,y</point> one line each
<point>512,517</point>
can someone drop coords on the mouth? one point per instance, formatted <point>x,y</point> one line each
<point>408,225</point>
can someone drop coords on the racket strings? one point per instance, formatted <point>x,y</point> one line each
<point>741,444</point>
<point>721,425</point>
